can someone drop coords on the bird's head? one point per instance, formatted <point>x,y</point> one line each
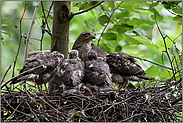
<point>73,54</point>
<point>85,37</point>
<point>92,54</point>
<point>58,54</point>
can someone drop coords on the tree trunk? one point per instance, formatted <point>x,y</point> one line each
<point>60,35</point>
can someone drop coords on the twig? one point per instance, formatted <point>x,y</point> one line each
<point>87,5</point>
<point>87,9</point>
<point>43,31</point>
<point>21,75</point>
<point>177,37</point>
<point>47,18</point>
<point>150,61</point>
<point>32,111</point>
<point>16,109</point>
<point>20,38</point>
<point>30,30</point>
<point>108,23</point>
<point>166,49</point>
<point>5,74</point>
<point>13,111</point>
<point>132,117</point>
<point>43,23</point>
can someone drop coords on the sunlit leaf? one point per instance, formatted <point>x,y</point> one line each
<point>4,32</point>
<point>4,21</point>
<point>165,74</point>
<point>152,72</point>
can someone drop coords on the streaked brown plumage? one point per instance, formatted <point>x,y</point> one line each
<point>97,74</point>
<point>72,72</point>
<point>83,44</point>
<point>50,64</point>
<point>125,69</point>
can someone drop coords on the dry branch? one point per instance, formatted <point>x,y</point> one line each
<point>30,30</point>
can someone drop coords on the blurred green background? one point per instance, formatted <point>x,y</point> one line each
<point>132,30</point>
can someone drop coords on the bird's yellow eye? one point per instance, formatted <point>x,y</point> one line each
<point>87,34</point>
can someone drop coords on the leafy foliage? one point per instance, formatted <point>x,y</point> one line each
<point>149,31</point>
<point>131,29</point>
<point>4,22</point>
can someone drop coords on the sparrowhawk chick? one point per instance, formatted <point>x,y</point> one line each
<point>72,71</point>
<point>97,74</point>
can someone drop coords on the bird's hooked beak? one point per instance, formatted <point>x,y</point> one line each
<point>92,36</point>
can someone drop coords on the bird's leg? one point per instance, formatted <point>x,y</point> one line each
<point>39,89</point>
<point>127,84</point>
<point>46,88</point>
<point>120,88</point>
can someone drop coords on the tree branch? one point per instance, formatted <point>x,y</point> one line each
<point>166,49</point>
<point>30,30</point>
<point>5,74</point>
<point>86,9</point>
<point>20,38</point>
<point>150,61</point>
<point>108,23</point>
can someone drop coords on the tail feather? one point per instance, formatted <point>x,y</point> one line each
<point>16,80</point>
<point>146,78</point>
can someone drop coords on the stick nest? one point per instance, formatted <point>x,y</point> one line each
<point>144,104</point>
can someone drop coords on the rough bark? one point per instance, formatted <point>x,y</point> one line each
<point>60,35</point>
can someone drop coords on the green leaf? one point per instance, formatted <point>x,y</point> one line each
<point>135,21</point>
<point>4,32</point>
<point>4,21</point>
<point>178,18</point>
<point>165,74</point>
<point>130,39</point>
<point>89,25</point>
<point>118,49</point>
<point>166,4</point>
<point>109,36</point>
<point>2,41</point>
<point>127,26</point>
<point>118,28</point>
<point>18,70</point>
<point>152,72</point>
<point>154,4</point>
<point>82,6</point>
<point>121,15</point>
<point>178,11</point>
<point>111,4</point>
<point>103,19</point>
<point>93,3</point>
<point>158,17</point>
